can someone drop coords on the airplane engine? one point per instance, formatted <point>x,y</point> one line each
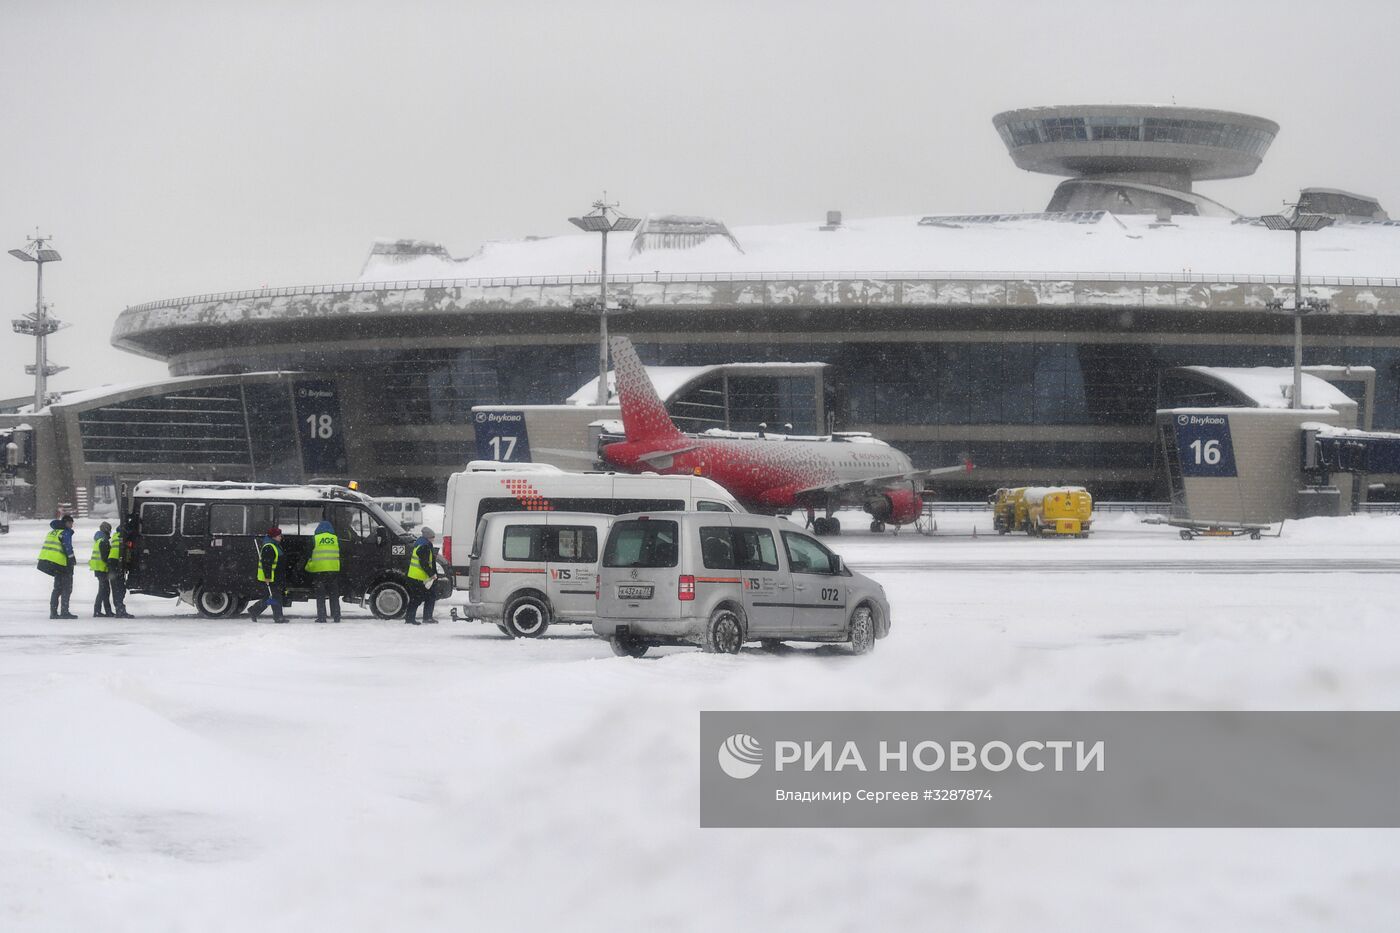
<point>895,506</point>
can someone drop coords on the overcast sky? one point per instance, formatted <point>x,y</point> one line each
<point>177,148</point>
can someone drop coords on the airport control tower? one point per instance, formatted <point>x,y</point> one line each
<point>1136,158</point>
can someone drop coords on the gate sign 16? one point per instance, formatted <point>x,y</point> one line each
<point>500,435</point>
<point>1203,445</point>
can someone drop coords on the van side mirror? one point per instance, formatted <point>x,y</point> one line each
<point>379,535</point>
<point>837,565</point>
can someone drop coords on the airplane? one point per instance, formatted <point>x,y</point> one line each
<point>770,475</point>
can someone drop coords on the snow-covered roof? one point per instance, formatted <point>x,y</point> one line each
<point>670,380</point>
<point>1271,386</point>
<point>1121,244</point>
<point>162,386</point>
<point>1335,430</point>
<point>229,490</point>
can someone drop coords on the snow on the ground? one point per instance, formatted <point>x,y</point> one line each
<point>172,773</point>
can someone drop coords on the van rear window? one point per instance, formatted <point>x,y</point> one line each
<point>577,545</point>
<point>157,518</point>
<point>723,548</point>
<point>227,518</point>
<point>523,542</point>
<point>648,543</point>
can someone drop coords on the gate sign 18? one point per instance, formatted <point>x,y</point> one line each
<point>318,424</point>
<point>1203,445</point>
<point>500,435</point>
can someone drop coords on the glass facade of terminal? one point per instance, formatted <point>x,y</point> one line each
<point>1137,129</point>
<point>251,427</point>
<point>938,400</point>
<point>955,383</point>
<point>744,403</point>
<point>199,426</point>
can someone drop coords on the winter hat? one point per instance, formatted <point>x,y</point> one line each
<point>66,518</point>
<point>105,526</point>
<point>274,532</point>
<point>429,533</point>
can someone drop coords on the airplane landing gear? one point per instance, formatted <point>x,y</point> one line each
<point>826,526</point>
<point>877,527</point>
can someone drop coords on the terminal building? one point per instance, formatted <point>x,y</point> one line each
<point>1035,343</point>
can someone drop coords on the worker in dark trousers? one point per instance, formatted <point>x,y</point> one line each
<point>97,563</point>
<point>271,574</point>
<point>57,560</point>
<point>422,574</point>
<point>116,569</point>
<point>324,567</point>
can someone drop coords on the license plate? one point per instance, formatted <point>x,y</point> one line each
<point>634,591</point>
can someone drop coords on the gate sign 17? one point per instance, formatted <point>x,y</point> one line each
<point>1203,445</point>
<point>501,435</point>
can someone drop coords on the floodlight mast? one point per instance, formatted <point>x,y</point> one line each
<point>598,221</point>
<point>1299,223</point>
<point>39,251</point>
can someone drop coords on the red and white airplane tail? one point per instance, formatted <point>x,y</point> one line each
<point>644,418</point>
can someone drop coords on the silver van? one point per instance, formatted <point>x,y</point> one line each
<point>719,580</point>
<point>531,569</point>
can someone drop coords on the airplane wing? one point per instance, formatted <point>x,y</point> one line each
<point>880,482</point>
<point>658,455</point>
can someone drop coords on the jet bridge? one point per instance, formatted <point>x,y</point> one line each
<point>1329,449</point>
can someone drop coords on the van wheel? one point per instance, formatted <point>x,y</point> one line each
<point>862,630</point>
<point>724,633</point>
<point>526,617</point>
<point>388,600</point>
<point>215,604</point>
<point>627,646</point>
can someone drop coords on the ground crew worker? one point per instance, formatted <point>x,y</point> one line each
<point>97,563</point>
<point>271,573</point>
<point>56,559</point>
<point>422,574</point>
<point>116,571</point>
<point>324,567</point>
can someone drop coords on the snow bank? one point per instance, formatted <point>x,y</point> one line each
<point>170,773</point>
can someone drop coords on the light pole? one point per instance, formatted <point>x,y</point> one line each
<point>1299,223</point>
<point>39,324</point>
<point>598,221</point>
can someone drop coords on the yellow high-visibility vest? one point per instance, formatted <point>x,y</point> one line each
<point>97,563</point>
<point>325,556</point>
<point>415,571</point>
<point>52,549</point>
<point>269,576</point>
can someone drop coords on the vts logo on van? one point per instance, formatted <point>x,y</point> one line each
<point>558,574</point>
